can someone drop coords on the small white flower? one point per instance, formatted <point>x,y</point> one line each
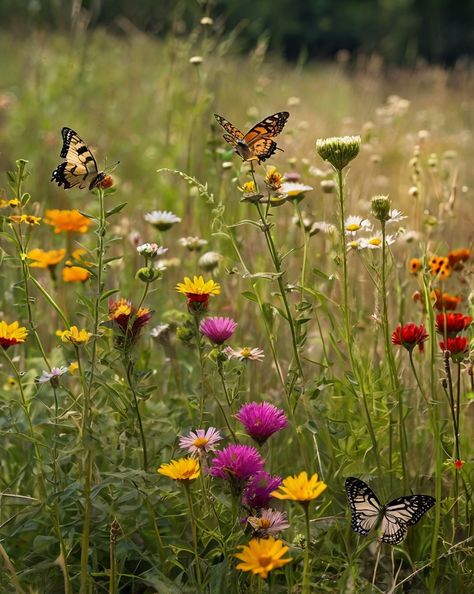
<point>162,219</point>
<point>322,227</point>
<point>395,216</point>
<point>293,189</point>
<point>196,60</point>
<point>375,241</point>
<point>52,376</point>
<point>160,331</point>
<point>151,250</point>
<point>355,223</point>
<point>355,244</point>
<point>193,244</point>
<point>245,353</point>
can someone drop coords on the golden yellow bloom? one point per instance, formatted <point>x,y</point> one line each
<point>42,259</point>
<point>11,334</point>
<point>184,470</point>
<point>261,556</point>
<point>6,203</point>
<point>28,219</point>
<point>198,286</point>
<point>248,188</point>
<point>78,259</point>
<point>273,178</point>
<point>73,367</point>
<point>300,488</point>
<point>74,335</point>
<point>67,220</point>
<point>75,274</point>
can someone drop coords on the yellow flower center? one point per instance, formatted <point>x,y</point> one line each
<point>200,442</point>
<point>264,523</point>
<point>353,227</point>
<point>375,241</point>
<point>245,352</point>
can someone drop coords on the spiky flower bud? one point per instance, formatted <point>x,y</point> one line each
<point>338,150</point>
<point>381,208</point>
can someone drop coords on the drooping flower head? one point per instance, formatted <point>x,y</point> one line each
<point>200,441</point>
<point>183,470</point>
<point>452,323</point>
<point>128,320</point>
<point>236,464</point>
<point>268,522</point>
<point>457,346</point>
<point>409,336</point>
<point>11,334</point>
<point>198,291</point>
<point>300,488</point>
<point>218,329</point>
<point>261,420</point>
<point>261,556</point>
<point>67,221</point>
<point>257,493</point>
<point>245,353</point>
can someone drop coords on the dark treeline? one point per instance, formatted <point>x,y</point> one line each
<point>440,31</point>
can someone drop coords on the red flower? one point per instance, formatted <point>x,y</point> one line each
<point>456,346</point>
<point>458,464</point>
<point>452,323</point>
<point>410,335</point>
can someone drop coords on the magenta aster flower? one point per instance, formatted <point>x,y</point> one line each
<point>261,419</point>
<point>236,463</point>
<point>257,493</point>
<point>218,330</point>
<point>268,522</point>
<point>200,441</point>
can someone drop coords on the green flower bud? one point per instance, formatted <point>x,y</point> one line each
<point>338,150</point>
<point>381,208</point>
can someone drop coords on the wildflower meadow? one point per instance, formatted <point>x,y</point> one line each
<point>234,358</point>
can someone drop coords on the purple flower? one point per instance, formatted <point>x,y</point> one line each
<point>218,330</point>
<point>236,463</point>
<point>258,490</point>
<point>200,441</point>
<point>261,419</point>
<point>268,522</point>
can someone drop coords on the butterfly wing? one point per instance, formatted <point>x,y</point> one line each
<point>401,513</point>
<point>264,148</point>
<point>365,506</point>
<point>80,166</point>
<point>268,128</point>
<point>234,132</point>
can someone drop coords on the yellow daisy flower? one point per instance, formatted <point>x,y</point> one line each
<point>11,334</point>
<point>183,470</point>
<point>67,220</point>
<point>74,335</point>
<point>300,488</point>
<point>261,556</point>
<point>28,219</point>
<point>42,259</point>
<point>74,274</point>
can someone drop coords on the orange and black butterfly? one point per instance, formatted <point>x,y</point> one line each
<point>257,144</point>
<point>80,167</point>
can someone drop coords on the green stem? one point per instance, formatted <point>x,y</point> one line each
<point>306,571</point>
<point>197,334</point>
<point>305,249</point>
<point>84,587</point>
<point>128,365</point>
<point>187,490</point>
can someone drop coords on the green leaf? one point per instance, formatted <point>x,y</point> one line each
<point>250,296</point>
<point>115,210</point>
<point>108,294</point>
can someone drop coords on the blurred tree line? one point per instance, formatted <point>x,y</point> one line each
<point>400,31</point>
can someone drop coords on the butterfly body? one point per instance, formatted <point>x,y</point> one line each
<point>257,143</point>
<point>392,519</point>
<point>80,167</point>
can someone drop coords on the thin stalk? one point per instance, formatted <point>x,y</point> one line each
<point>305,249</point>
<point>413,368</point>
<point>187,490</point>
<point>306,572</point>
<point>84,587</point>
<point>128,364</point>
<point>197,334</point>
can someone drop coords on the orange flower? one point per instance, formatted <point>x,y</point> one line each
<point>440,266</point>
<point>414,265</point>
<point>42,259</point>
<point>75,274</point>
<point>445,301</point>
<point>457,256</point>
<point>67,220</point>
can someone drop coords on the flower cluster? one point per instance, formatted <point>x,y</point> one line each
<point>128,320</point>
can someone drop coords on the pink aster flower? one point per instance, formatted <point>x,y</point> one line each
<point>257,493</point>
<point>268,522</point>
<point>200,441</point>
<point>217,329</point>
<point>236,463</point>
<point>261,419</point>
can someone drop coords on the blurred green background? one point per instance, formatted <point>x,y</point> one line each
<point>401,31</point>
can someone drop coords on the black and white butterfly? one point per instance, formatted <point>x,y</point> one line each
<point>393,517</point>
<point>80,167</point>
